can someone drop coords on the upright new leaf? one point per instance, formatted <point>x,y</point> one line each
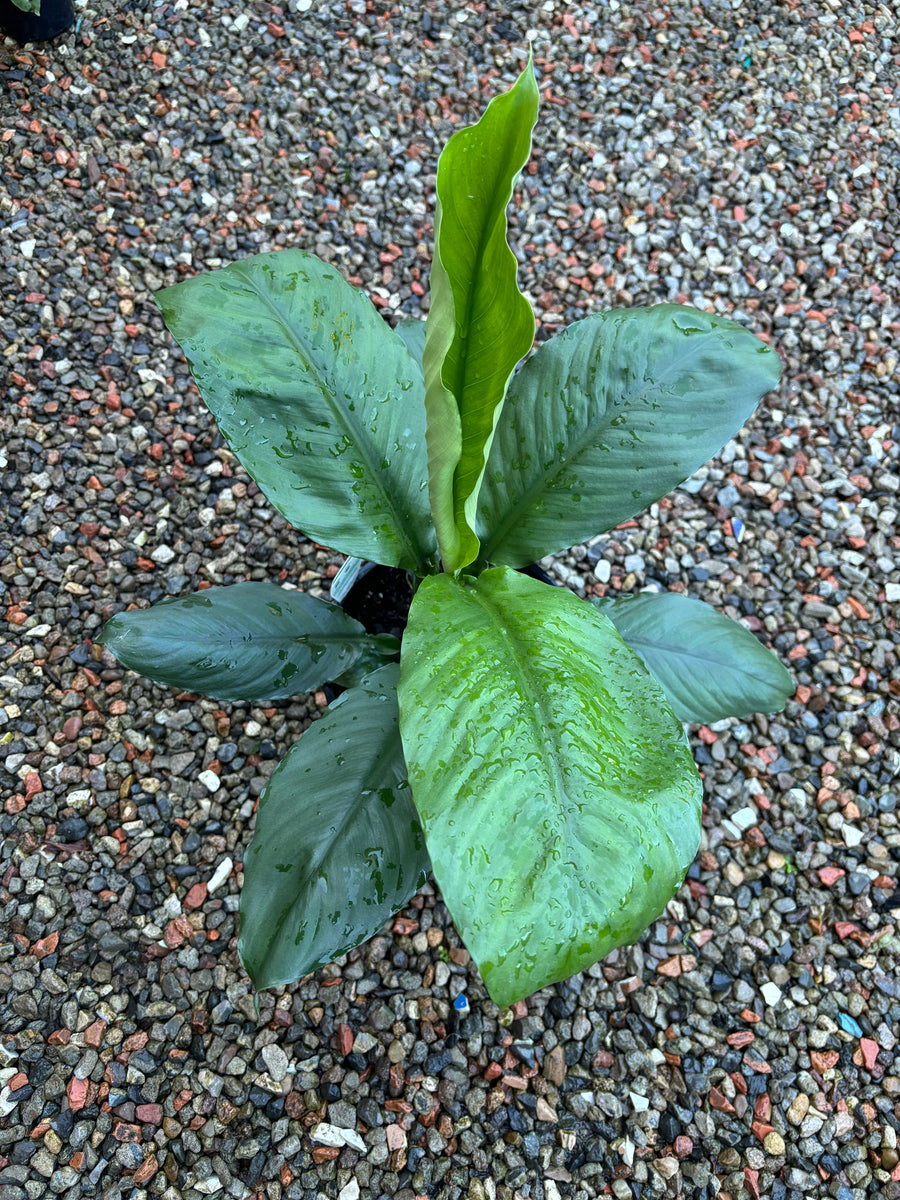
<point>709,666</point>
<point>337,846</point>
<point>559,798</point>
<point>318,398</point>
<point>610,415</point>
<point>246,641</point>
<point>479,324</point>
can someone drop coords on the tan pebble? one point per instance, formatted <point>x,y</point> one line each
<point>773,1143</point>
<point>798,1109</point>
<point>555,1066</point>
<point>666,1167</point>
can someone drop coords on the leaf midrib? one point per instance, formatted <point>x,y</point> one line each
<point>538,697</point>
<point>543,480</point>
<point>635,642</point>
<point>233,639</point>
<point>343,418</point>
<point>486,234</point>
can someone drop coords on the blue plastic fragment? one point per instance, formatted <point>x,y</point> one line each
<point>737,528</point>
<point>848,1025</point>
<point>461,1004</point>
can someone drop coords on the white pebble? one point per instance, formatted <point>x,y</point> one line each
<point>771,993</point>
<point>333,1135</point>
<point>851,835</point>
<point>210,780</point>
<point>639,1103</point>
<point>221,873</point>
<point>745,818</point>
<point>162,555</point>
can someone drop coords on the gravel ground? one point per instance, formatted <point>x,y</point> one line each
<point>742,158</point>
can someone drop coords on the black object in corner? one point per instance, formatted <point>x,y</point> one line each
<point>54,17</point>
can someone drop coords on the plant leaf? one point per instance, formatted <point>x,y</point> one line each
<point>610,415</point>
<point>709,666</point>
<point>29,6</point>
<point>560,802</point>
<point>337,846</point>
<point>479,324</point>
<point>318,398</point>
<point>383,648</point>
<point>412,333</point>
<point>246,641</point>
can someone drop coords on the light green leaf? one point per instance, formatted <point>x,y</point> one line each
<point>29,6</point>
<point>337,847</point>
<point>709,666</point>
<point>609,416</point>
<point>247,641</point>
<point>479,324</point>
<point>560,802</point>
<point>318,398</point>
<point>412,333</point>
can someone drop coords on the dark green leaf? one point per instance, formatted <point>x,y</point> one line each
<point>709,666</point>
<point>609,416</point>
<point>560,802</point>
<point>337,846</point>
<point>382,649</point>
<point>479,323</point>
<point>317,396</point>
<point>247,641</point>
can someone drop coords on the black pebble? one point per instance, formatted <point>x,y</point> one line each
<point>71,829</point>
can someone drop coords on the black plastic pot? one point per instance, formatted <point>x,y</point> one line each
<point>54,17</point>
<point>379,598</point>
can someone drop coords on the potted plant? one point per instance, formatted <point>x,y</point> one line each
<point>525,745</point>
<point>36,20</point>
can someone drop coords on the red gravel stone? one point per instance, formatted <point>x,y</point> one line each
<point>124,1132</point>
<point>869,1052</point>
<point>720,1102</point>
<point>344,1039</point>
<point>94,1034</point>
<point>146,1170</point>
<point>196,896</point>
<point>77,1093</point>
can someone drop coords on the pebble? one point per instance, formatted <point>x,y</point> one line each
<point>771,993</point>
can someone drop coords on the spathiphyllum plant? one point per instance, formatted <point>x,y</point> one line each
<point>521,743</point>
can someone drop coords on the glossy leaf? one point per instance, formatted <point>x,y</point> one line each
<point>479,323</point>
<point>609,416</point>
<point>709,666</point>
<point>318,398</point>
<point>560,802</point>
<point>337,847</point>
<point>246,641</point>
<point>382,648</point>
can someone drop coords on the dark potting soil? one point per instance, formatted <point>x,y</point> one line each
<point>380,599</point>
